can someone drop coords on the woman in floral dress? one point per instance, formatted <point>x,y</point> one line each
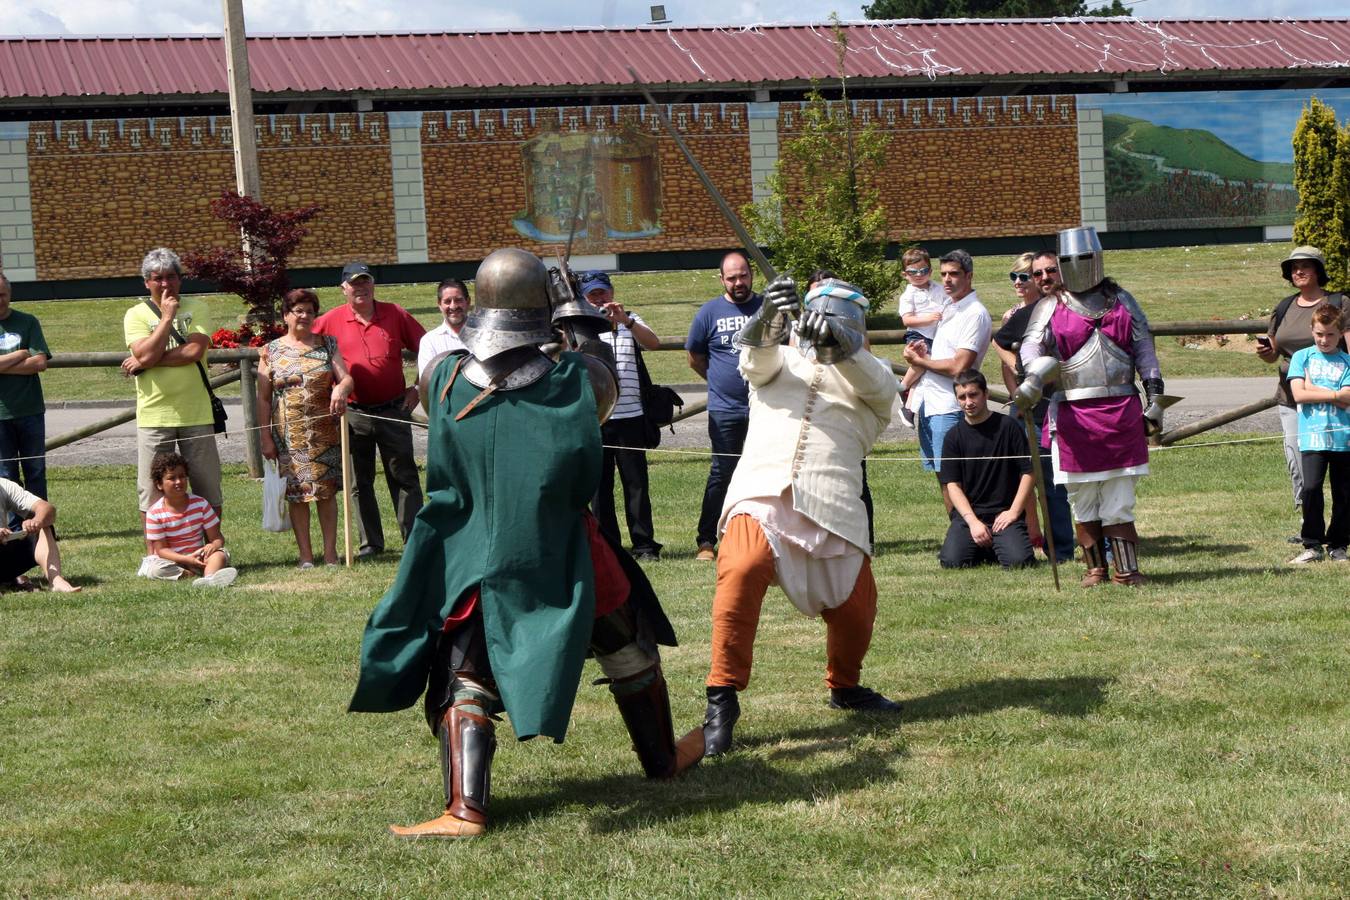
<point>303,386</point>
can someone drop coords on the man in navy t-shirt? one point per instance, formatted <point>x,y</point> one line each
<point>713,357</point>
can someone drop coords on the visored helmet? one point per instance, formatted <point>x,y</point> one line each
<point>1081,266</point>
<point>846,309</point>
<point>510,306</point>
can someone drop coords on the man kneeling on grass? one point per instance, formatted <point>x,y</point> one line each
<point>183,529</point>
<point>33,544</point>
<point>986,469</point>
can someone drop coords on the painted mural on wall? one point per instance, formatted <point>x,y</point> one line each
<point>1202,159</point>
<point>611,181</point>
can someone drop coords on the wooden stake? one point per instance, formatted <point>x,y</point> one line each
<point>346,494</point>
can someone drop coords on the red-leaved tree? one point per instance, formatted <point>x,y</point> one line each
<point>260,277</point>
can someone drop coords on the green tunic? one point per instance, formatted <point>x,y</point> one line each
<point>506,486</point>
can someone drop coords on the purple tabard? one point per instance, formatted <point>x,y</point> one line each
<point>1108,432</point>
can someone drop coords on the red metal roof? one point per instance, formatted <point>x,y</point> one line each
<point>159,66</point>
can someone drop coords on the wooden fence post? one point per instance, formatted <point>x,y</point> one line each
<point>248,395</point>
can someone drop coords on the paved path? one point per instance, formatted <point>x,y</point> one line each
<point>1202,397</point>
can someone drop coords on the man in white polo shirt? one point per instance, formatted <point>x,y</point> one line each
<point>960,343</point>
<point>452,299</point>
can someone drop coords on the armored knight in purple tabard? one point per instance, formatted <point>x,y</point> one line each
<point>1091,339</point>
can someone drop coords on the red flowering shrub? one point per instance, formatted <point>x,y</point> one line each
<point>255,335</point>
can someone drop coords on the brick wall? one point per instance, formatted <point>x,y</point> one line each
<point>105,191</point>
<point>494,178</point>
<point>452,186</point>
<point>972,167</point>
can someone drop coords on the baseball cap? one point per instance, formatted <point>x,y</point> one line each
<point>592,280</point>
<point>355,270</point>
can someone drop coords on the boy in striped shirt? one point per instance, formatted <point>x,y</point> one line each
<point>183,529</point>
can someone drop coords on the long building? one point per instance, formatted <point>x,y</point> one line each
<point>427,151</point>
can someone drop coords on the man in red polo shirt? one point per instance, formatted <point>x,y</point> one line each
<point>372,337</point>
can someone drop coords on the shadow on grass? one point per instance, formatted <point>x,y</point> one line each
<point>620,803</point>
<point>626,802</point>
<point>1185,544</point>
<point>1217,573</point>
<point>908,545</point>
<point>1072,696</point>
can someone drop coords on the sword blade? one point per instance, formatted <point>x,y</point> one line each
<point>1038,480</point>
<point>728,213</point>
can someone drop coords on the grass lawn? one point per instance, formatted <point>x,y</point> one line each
<point>1186,739</point>
<point>1174,284</point>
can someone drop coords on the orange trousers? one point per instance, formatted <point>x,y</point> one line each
<point>744,572</point>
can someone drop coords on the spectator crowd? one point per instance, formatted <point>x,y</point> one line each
<point>349,360</point>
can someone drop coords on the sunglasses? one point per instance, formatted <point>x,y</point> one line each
<point>1019,277</point>
<point>924,271</point>
<point>1048,270</point>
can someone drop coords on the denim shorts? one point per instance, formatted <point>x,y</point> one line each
<point>932,432</point>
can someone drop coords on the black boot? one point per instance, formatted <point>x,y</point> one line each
<point>862,699</point>
<point>646,713</point>
<point>723,711</point>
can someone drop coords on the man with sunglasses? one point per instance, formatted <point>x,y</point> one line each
<point>1039,281</point>
<point>1090,339</point>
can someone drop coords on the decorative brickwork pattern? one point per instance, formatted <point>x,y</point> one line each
<point>963,167</point>
<point>495,178</point>
<point>105,191</point>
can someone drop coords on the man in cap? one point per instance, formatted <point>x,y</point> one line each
<point>793,513</point>
<point>1091,341</point>
<point>507,583</point>
<point>624,433</point>
<point>372,336</point>
<point>452,299</point>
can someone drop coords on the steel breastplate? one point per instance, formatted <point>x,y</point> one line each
<point>511,370</point>
<point>1093,304</point>
<point>1100,368</point>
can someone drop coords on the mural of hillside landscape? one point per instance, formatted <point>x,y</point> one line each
<point>1202,160</point>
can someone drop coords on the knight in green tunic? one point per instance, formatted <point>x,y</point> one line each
<point>494,607</point>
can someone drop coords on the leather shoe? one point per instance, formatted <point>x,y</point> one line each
<point>862,699</point>
<point>723,711</point>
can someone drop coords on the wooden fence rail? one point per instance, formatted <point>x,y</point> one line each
<point>247,358</point>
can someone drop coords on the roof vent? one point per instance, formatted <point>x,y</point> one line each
<point>659,16</point>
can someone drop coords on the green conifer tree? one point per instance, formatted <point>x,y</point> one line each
<point>1322,178</point>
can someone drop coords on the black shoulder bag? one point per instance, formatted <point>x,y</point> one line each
<point>658,403</point>
<point>218,413</point>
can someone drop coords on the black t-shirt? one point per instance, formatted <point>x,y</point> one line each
<point>989,484</point>
<point>1009,337</point>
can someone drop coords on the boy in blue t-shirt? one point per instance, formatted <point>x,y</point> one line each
<point>1319,378</point>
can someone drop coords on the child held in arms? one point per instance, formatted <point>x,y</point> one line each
<point>921,307</point>
<point>183,529</point>
<point>1319,379</point>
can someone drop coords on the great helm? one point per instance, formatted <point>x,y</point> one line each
<point>1080,259</point>
<point>846,306</point>
<point>510,304</point>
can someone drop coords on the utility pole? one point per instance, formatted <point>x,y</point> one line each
<point>248,183</point>
<point>246,177</point>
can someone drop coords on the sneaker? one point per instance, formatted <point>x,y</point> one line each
<point>706,553</point>
<point>1309,555</point>
<point>647,556</point>
<point>220,578</point>
<point>144,570</point>
<point>1338,554</point>
<point>305,564</point>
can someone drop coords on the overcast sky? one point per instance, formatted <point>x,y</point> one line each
<point>102,17</point>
